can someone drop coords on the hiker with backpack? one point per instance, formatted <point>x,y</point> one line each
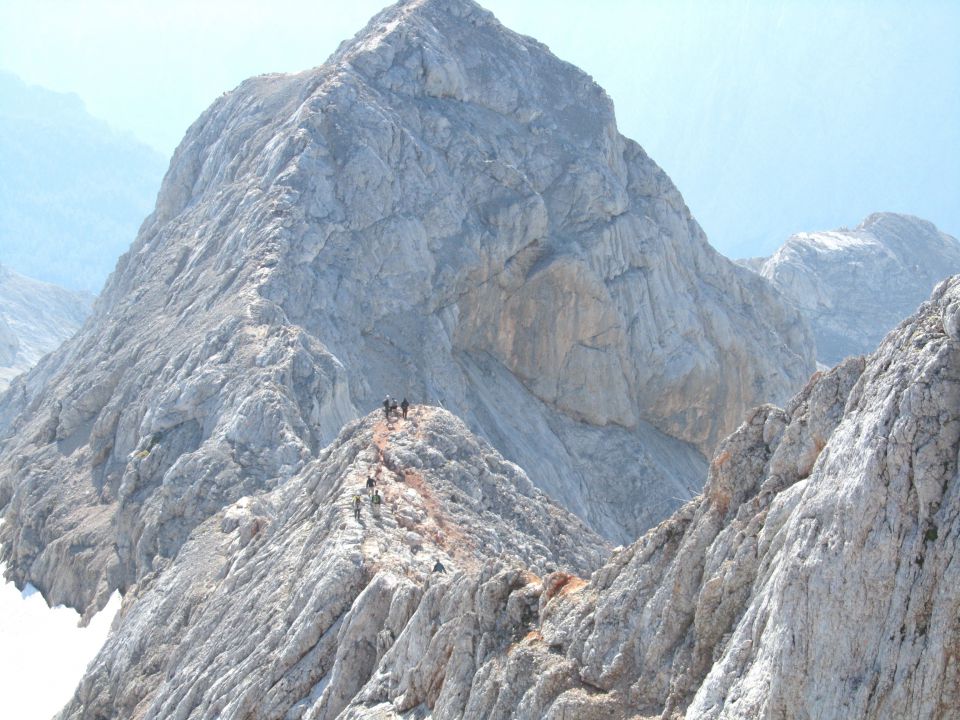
<point>375,502</point>
<point>403,406</point>
<point>386,407</point>
<point>357,501</point>
<point>371,484</point>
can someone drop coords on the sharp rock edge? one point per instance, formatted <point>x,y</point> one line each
<point>283,605</point>
<point>444,210</point>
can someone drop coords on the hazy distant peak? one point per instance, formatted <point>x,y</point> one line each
<point>856,285</point>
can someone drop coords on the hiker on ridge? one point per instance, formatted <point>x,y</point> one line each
<point>439,568</point>
<point>386,407</point>
<point>357,501</point>
<point>403,406</point>
<point>371,483</point>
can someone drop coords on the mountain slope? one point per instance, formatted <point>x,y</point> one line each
<point>445,211</point>
<point>35,317</point>
<point>284,601</point>
<point>816,576</point>
<point>74,190</point>
<point>856,285</point>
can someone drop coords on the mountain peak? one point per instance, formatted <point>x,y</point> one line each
<point>444,208</point>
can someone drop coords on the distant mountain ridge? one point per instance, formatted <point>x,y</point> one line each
<point>856,285</point>
<point>74,191</point>
<point>35,318</point>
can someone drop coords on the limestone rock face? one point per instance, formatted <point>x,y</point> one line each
<point>283,605</point>
<point>444,210</point>
<point>854,286</point>
<point>35,317</point>
<point>815,577</point>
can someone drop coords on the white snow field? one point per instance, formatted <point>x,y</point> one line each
<point>43,651</point>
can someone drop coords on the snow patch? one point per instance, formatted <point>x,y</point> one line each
<point>44,652</point>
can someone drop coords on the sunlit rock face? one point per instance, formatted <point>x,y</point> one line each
<point>282,605</point>
<point>854,286</point>
<point>816,576</point>
<point>444,210</point>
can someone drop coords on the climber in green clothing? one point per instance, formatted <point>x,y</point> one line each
<point>375,501</point>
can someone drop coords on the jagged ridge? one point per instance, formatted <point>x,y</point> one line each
<point>282,604</point>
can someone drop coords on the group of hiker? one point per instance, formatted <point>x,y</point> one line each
<point>375,500</point>
<point>391,406</point>
<point>375,503</point>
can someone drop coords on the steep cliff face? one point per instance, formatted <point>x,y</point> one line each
<point>283,604</point>
<point>815,577</point>
<point>35,317</point>
<point>443,210</point>
<point>854,286</point>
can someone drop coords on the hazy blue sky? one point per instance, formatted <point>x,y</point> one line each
<point>771,116</point>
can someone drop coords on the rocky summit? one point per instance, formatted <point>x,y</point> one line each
<point>446,211</point>
<point>854,286</point>
<point>443,210</point>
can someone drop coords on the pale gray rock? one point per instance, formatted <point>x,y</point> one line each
<point>444,210</point>
<point>35,317</point>
<point>283,605</point>
<point>816,576</point>
<point>854,286</point>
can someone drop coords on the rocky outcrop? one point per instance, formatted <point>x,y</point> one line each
<point>443,210</point>
<point>815,577</point>
<point>35,317</point>
<point>854,286</point>
<point>283,605</point>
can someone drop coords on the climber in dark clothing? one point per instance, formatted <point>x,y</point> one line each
<point>439,568</point>
<point>386,407</point>
<point>403,406</point>
<point>371,483</point>
<point>357,501</point>
<point>394,407</point>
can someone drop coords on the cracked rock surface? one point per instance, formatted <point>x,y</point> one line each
<point>816,576</point>
<point>284,605</point>
<point>444,210</point>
